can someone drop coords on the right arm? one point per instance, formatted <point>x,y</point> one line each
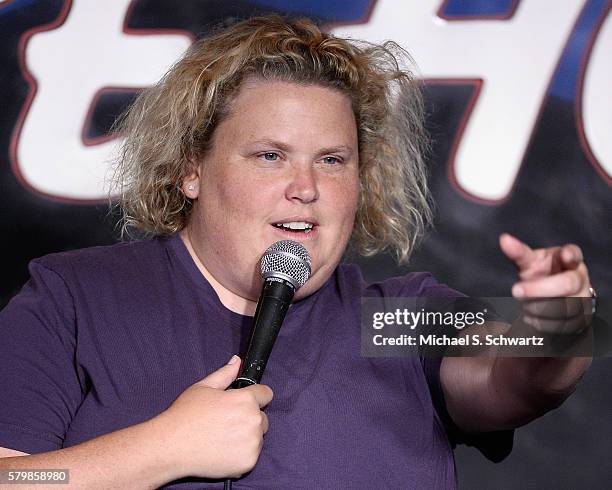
<point>207,432</point>
<point>131,457</point>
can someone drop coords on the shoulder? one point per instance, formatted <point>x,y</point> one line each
<point>118,264</point>
<point>124,254</point>
<point>410,284</point>
<point>95,286</point>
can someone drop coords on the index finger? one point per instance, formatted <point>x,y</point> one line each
<point>263,394</point>
<point>519,252</point>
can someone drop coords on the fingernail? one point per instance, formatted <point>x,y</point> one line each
<point>233,360</point>
<point>518,292</point>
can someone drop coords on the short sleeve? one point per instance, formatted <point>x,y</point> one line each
<point>40,387</point>
<point>496,445</point>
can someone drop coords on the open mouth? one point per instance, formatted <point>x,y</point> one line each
<point>295,226</point>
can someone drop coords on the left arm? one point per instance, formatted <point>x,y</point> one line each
<point>495,393</point>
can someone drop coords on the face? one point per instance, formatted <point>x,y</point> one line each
<point>283,165</point>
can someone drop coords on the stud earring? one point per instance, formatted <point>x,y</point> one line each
<point>190,187</point>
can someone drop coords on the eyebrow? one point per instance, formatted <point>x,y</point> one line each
<point>285,147</point>
<point>336,149</point>
<point>273,143</point>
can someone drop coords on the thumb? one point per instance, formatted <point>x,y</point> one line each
<point>223,377</point>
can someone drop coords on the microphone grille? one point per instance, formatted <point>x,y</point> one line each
<point>287,259</point>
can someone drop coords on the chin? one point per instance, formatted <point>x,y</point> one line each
<point>313,284</point>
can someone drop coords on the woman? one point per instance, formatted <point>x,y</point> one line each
<point>265,131</point>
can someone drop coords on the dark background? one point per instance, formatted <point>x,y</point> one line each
<point>557,198</point>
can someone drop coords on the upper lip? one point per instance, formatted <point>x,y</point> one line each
<point>305,219</point>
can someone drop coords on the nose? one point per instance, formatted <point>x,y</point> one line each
<point>302,187</point>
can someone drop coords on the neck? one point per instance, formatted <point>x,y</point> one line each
<point>229,299</point>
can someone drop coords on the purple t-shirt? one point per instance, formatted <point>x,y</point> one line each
<point>104,338</point>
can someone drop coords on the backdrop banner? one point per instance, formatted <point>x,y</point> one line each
<point>518,109</point>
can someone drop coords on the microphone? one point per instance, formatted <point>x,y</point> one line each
<point>285,267</point>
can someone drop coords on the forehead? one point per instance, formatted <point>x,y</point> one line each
<point>289,109</point>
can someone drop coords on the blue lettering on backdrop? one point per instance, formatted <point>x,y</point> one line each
<point>478,8</point>
<point>565,81</point>
<point>330,10</point>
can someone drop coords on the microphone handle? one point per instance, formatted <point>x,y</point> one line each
<point>274,301</point>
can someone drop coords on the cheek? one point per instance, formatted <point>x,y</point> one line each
<point>238,196</point>
<point>345,198</point>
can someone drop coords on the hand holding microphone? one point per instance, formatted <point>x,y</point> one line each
<point>209,432</point>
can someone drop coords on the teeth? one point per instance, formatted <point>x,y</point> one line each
<point>296,225</point>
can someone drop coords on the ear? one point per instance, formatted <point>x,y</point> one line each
<point>191,181</point>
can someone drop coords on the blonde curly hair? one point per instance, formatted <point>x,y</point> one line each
<point>172,123</point>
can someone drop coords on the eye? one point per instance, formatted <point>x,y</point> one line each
<point>331,160</point>
<point>269,156</point>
